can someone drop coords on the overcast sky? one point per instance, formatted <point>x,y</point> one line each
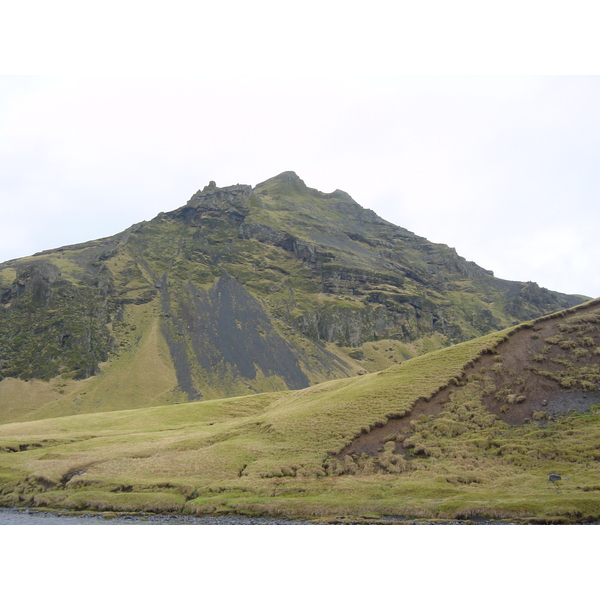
<point>502,166</point>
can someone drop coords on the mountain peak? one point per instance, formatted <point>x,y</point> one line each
<point>287,177</point>
<point>285,182</point>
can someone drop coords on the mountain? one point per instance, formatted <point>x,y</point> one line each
<point>242,290</point>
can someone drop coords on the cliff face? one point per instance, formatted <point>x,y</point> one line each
<point>245,290</point>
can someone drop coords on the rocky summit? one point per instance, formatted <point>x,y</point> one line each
<point>242,290</point>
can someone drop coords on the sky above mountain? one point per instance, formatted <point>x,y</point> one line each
<point>503,167</point>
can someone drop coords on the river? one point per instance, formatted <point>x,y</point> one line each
<point>14,516</point>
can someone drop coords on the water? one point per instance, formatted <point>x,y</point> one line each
<point>13,516</point>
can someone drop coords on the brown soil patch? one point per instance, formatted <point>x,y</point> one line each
<point>541,393</point>
<point>515,355</point>
<point>371,443</point>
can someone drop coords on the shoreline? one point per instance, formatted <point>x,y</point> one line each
<point>34,516</point>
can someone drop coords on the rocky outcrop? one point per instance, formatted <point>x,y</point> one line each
<point>49,325</point>
<point>269,235</point>
<point>231,200</point>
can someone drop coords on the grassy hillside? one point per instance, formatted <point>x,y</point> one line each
<point>469,430</point>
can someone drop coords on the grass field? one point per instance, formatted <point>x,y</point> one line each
<point>281,452</point>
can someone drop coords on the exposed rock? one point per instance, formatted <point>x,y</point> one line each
<point>221,199</point>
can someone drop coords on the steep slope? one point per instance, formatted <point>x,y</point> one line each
<point>427,438</point>
<point>240,291</point>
